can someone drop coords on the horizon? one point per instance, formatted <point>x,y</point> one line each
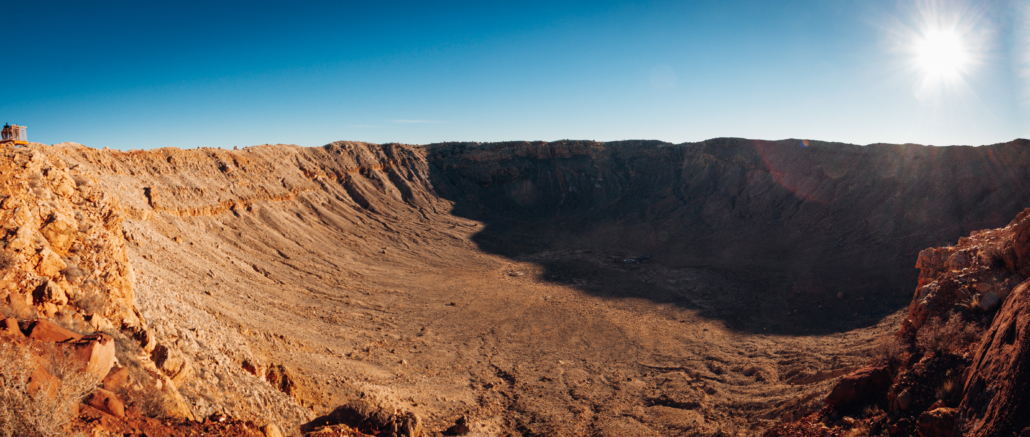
<point>802,140</point>
<point>141,76</point>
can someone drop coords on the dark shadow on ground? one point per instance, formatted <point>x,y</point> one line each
<point>796,238</point>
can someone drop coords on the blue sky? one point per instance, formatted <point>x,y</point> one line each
<point>133,75</point>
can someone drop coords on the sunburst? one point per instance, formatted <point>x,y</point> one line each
<point>942,55</point>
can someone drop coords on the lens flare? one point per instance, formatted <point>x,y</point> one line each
<point>944,45</point>
<point>942,54</point>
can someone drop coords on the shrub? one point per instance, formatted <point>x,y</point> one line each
<point>7,261</point>
<point>967,300</point>
<point>872,411</point>
<point>889,351</point>
<point>80,180</point>
<point>858,431</point>
<point>950,391</point>
<point>73,273</point>
<point>40,414</point>
<point>951,336</point>
<point>91,301</point>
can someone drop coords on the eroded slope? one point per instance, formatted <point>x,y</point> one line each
<point>485,279</point>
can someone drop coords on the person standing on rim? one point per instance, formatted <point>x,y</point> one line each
<point>7,131</point>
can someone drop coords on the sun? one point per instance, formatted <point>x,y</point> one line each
<point>942,54</point>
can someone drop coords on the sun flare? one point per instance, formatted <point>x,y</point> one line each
<point>942,54</point>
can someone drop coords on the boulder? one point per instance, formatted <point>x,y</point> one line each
<point>371,416</point>
<point>174,405</point>
<point>50,292</point>
<point>937,423</point>
<point>280,377</point>
<point>10,326</point>
<point>99,323</point>
<point>271,430</point>
<point>50,264</point>
<point>905,400</point>
<point>989,301</point>
<point>95,353</point>
<point>45,331</point>
<point>959,260</point>
<point>864,385</point>
<point>107,402</point>
<point>65,186</point>
<point>172,363</point>
<point>21,305</point>
<point>22,241</point>
<point>60,231</point>
<point>116,379</point>
<point>41,379</point>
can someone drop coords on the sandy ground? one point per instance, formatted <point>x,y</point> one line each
<point>553,343</point>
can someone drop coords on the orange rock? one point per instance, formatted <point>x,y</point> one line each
<point>96,353</point>
<point>60,231</point>
<point>116,378</point>
<point>43,380</point>
<point>10,326</point>
<point>172,363</point>
<point>45,331</point>
<point>862,385</point>
<point>21,305</point>
<point>50,292</point>
<point>50,264</point>
<point>107,402</point>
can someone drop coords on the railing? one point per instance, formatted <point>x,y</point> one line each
<point>16,133</point>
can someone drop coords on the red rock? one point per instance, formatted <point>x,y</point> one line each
<point>116,379</point>
<point>10,326</point>
<point>21,305</point>
<point>1021,242</point>
<point>938,423</point>
<point>96,353</point>
<point>44,330</point>
<point>107,402</point>
<point>1001,364</point>
<point>862,385</point>
<point>989,301</point>
<point>43,380</point>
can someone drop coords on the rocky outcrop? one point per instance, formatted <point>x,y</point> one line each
<point>961,366</point>
<point>368,416</point>
<point>998,387</point>
<point>58,225</point>
<point>861,386</point>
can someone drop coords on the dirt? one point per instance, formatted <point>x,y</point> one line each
<point>567,288</point>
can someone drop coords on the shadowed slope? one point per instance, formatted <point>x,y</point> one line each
<point>801,223</point>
